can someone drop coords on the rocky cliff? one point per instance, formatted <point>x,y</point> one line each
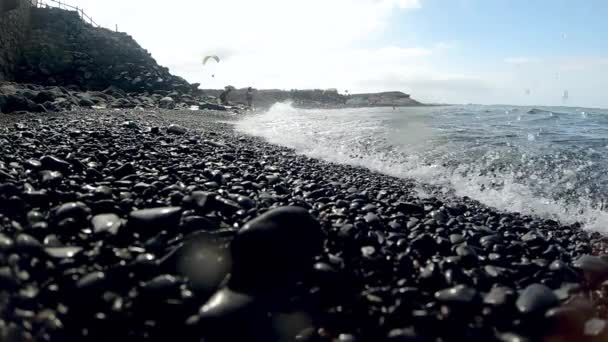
<point>14,27</point>
<point>64,50</point>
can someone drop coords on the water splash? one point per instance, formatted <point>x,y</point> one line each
<point>549,162</point>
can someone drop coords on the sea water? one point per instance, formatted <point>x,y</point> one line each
<point>546,161</point>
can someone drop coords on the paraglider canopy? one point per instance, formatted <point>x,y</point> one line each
<point>211,57</point>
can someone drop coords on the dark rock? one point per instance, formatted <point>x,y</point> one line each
<point>595,269</point>
<point>227,309</point>
<point>499,295</point>
<point>63,252</point>
<point>74,210</point>
<point>106,223</point>
<point>536,299</point>
<point>460,294</point>
<point>124,170</point>
<point>150,221</point>
<point>274,249</point>
<point>166,103</point>
<point>176,129</point>
<point>55,164</point>
<point>211,106</point>
<point>14,103</point>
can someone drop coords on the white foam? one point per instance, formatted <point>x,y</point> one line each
<point>360,137</point>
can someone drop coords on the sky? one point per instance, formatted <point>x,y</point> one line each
<point>445,51</point>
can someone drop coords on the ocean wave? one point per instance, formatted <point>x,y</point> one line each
<point>475,154</point>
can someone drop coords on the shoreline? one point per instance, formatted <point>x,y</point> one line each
<point>394,266</point>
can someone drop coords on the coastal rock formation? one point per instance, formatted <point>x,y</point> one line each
<point>14,23</point>
<point>384,99</point>
<point>64,50</point>
<point>19,98</point>
<point>318,98</point>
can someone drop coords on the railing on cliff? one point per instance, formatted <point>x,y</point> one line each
<point>61,5</point>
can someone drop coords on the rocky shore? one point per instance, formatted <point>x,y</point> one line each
<point>23,98</point>
<point>159,225</point>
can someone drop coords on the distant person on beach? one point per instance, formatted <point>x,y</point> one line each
<point>249,97</point>
<point>224,95</point>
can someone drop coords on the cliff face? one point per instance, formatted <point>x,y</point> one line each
<point>64,50</point>
<point>14,23</point>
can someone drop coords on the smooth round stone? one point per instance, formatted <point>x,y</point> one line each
<point>456,238</point>
<point>499,295</point>
<point>536,299</point>
<point>176,129</point>
<point>274,248</point>
<point>368,251</point>
<point>459,294</point>
<point>155,219</point>
<point>232,316</point>
<point>164,283</point>
<point>439,216</point>
<point>511,337</point>
<point>49,177</point>
<point>6,243</point>
<point>9,190</point>
<point>53,163</point>
<point>63,252</point>
<point>52,241</point>
<point>198,200</point>
<point>103,191</point>
<point>371,218</point>
<point>75,210</point>
<point>124,170</point>
<point>226,302</point>
<point>110,223</point>
<point>33,164</point>
<point>245,202</point>
<point>25,242</point>
<point>595,269</point>
<point>369,207</point>
<point>34,216</point>
<point>91,280</point>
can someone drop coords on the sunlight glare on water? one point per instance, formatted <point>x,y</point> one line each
<point>549,162</point>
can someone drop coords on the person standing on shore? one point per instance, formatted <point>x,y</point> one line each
<point>249,97</point>
<point>224,95</point>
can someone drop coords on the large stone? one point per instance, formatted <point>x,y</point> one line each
<point>595,269</point>
<point>274,249</point>
<point>166,103</point>
<point>176,129</point>
<point>536,299</point>
<point>106,223</point>
<point>14,103</point>
<point>150,221</point>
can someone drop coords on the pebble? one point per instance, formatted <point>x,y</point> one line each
<point>109,223</point>
<point>274,248</point>
<point>535,299</point>
<point>595,269</point>
<point>459,294</point>
<point>155,219</point>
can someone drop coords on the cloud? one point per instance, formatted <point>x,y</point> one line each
<point>278,43</point>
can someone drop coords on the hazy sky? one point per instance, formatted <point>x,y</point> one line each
<point>457,51</point>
